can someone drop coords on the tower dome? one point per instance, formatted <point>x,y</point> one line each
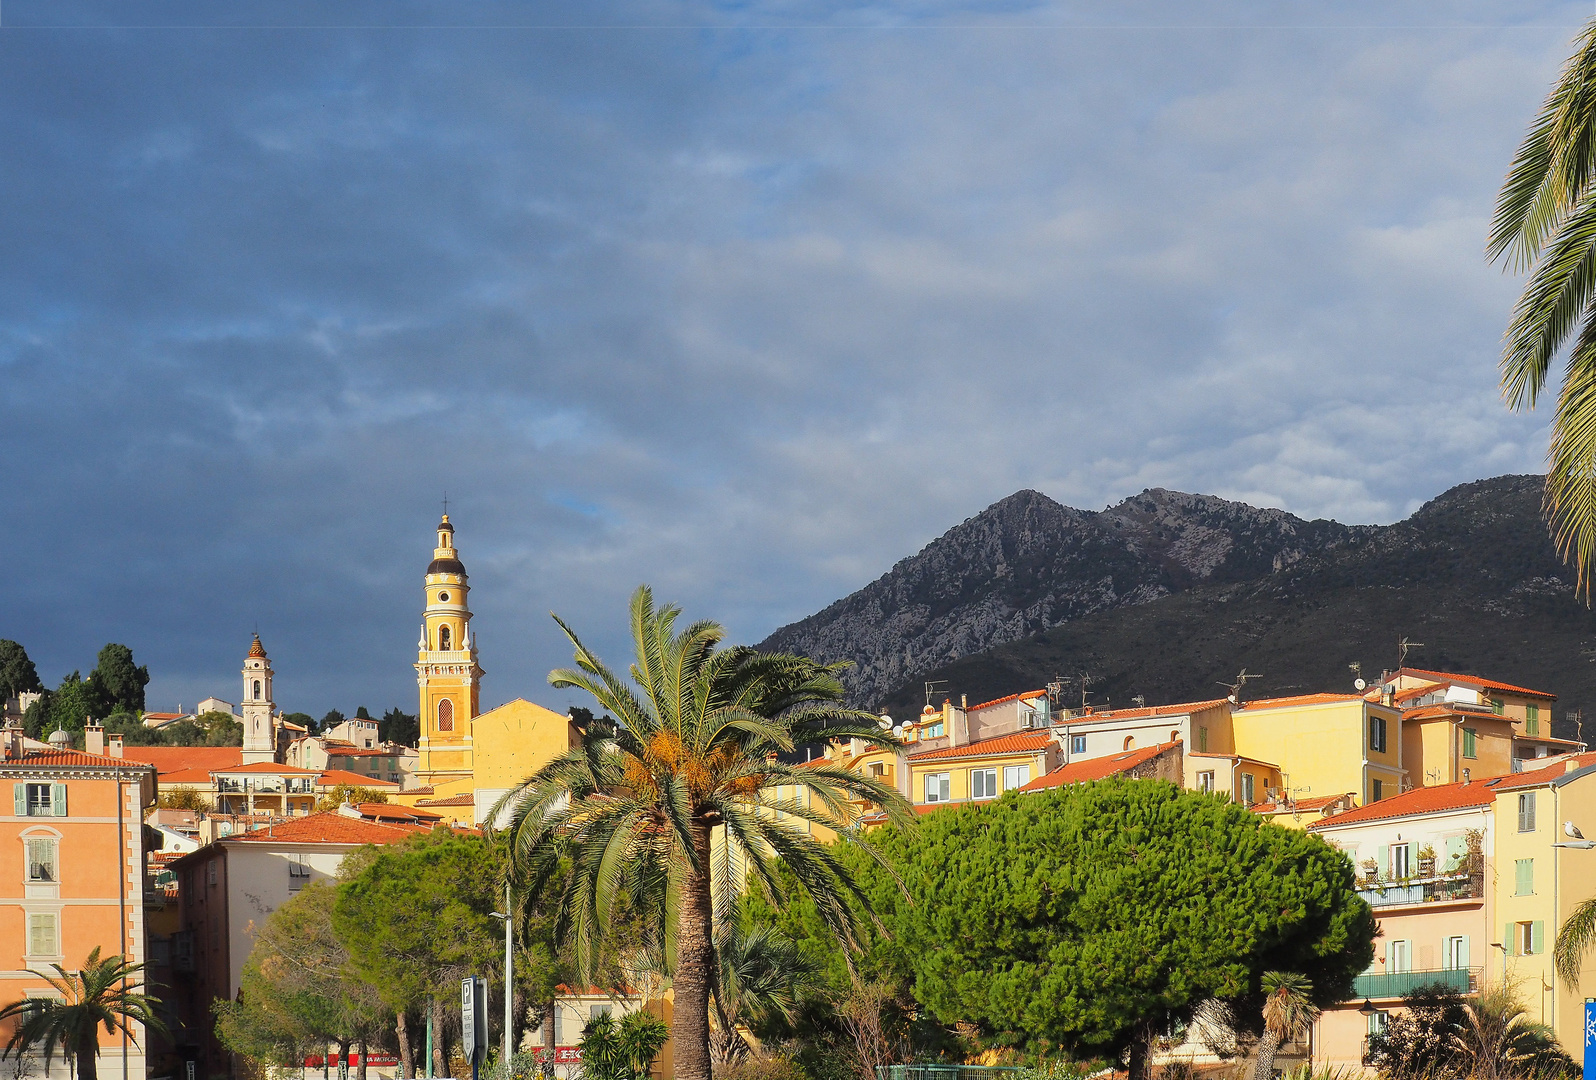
<point>60,739</point>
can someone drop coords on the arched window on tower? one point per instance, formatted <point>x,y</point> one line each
<point>443,638</point>
<point>1130,742</point>
<point>257,689</point>
<point>445,715</point>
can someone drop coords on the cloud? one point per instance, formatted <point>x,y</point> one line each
<point>747,302</point>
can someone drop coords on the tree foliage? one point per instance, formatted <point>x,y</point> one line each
<point>105,993</point>
<point>622,1049</point>
<point>118,683</point>
<point>399,727</point>
<point>17,673</point>
<point>349,793</point>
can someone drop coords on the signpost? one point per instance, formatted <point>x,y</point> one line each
<point>474,1021</point>
<point>1590,1039</point>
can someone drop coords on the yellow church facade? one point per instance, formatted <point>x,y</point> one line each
<point>468,761</point>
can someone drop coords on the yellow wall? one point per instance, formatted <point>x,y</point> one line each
<point>517,739</point>
<point>1432,749</point>
<point>959,773</point>
<point>1320,747</point>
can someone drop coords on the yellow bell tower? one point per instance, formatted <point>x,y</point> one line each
<point>446,668</point>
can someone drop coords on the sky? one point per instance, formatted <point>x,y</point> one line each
<point>747,301</point>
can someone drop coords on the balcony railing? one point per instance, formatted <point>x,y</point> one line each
<point>1420,890</point>
<point>1402,983</point>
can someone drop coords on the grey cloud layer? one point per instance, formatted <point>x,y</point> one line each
<point>742,311</point>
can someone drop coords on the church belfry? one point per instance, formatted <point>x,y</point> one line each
<point>446,667</point>
<point>260,740</point>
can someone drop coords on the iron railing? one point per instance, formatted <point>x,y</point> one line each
<point>1421,890</point>
<point>943,1072</point>
<point>1400,984</point>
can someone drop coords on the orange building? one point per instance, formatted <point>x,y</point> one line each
<point>73,850</point>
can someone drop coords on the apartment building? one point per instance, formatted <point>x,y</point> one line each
<point>76,862</point>
<point>1325,744</point>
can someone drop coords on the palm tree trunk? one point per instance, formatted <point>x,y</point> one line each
<point>407,1055</point>
<point>87,1060</point>
<point>695,965</point>
<point>1268,1046</point>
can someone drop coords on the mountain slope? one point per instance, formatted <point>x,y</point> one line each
<point>1027,563</point>
<point>1472,575</point>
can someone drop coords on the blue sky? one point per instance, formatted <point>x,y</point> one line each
<point>747,301</point>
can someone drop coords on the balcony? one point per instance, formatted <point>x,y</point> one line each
<point>1420,890</point>
<point>1402,983</point>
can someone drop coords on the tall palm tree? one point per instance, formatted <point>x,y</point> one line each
<point>671,802</point>
<point>1288,1014</point>
<point>99,995</point>
<point>1546,219</point>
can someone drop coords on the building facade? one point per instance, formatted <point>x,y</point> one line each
<point>447,673</point>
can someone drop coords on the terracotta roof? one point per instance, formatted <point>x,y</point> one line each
<point>1079,772</point>
<point>1547,774</point>
<point>1475,680</point>
<point>334,777</point>
<point>1150,710</point>
<point>1374,693</point>
<point>1299,699</point>
<point>177,758</point>
<point>186,776</point>
<point>270,768</point>
<point>1026,696</point>
<point>395,812</point>
<point>359,751</point>
<point>164,716</point>
<point>453,800</point>
<point>1318,802</point>
<point>329,828</point>
<point>1424,800</point>
<point>1544,739</point>
<point>70,759</point>
<point>424,790</point>
<point>1022,742</point>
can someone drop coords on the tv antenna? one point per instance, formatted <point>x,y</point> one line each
<point>1402,651</point>
<point>1238,686</point>
<point>931,689</point>
<point>1140,701</point>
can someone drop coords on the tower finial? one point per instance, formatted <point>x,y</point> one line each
<point>445,502</point>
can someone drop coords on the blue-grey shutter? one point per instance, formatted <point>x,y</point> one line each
<point>19,799</point>
<point>58,800</point>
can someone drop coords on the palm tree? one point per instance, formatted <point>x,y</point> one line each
<point>1500,1040</point>
<point>99,995</point>
<point>1546,219</point>
<point>760,974</point>
<point>1288,1014</point>
<point>670,802</point>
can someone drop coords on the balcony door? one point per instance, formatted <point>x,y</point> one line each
<point>1399,957</point>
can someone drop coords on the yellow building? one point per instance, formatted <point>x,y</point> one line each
<point>512,742</point>
<point>1528,711</point>
<point>1446,745</point>
<point>446,669</point>
<point>1325,744</point>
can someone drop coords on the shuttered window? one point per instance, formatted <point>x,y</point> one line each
<point>44,938</point>
<point>1523,877</point>
<point>1526,811</point>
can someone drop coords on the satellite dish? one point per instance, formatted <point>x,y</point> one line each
<point>897,731</point>
<point>1360,684</point>
<point>1232,699</point>
<point>885,722</point>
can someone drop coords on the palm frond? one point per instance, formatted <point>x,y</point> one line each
<point>1571,472</point>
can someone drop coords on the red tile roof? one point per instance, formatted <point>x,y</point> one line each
<point>270,768</point>
<point>1405,695</point>
<point>1149,710</point>
<point>1546,774</point>
<point>54,758</point>
<point>177,758</point>
<point>1424,800</point>
<point>1299,699</point>
<point>1022,742</point>
<point>164,716</point>
<point>453,800</point>
<point>334,777</point>
<point>329,828</point>
<point>1079,772</point>
<point>394,812</point>
<point>1475,680</point>
<point>359,751</point>
<point>1026,696</point>
<point>1318,802</point>
<point>187,776</point>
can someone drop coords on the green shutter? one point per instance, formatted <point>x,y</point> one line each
<point>19,799</point>
<point>1457,850</point>
<point>1382,862</point>
<point>1523,877</point>
<point>1462,960</point>
<point>1510,939</point>
<point>1537,942</point>
<point>58,800</point>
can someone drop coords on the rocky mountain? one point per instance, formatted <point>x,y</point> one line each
<point>1028,563</point>
<point>1168,596</point>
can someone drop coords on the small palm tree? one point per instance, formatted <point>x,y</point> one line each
<point>674,801</point>
<point>1288,1014</point>
<point>101,995</point>
<point>760,974</point>
<point>1574,940</point>
<point>1500,1040</point>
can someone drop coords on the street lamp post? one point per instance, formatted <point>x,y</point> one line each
<point>509,981</point>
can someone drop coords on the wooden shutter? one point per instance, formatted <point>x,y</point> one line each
<point>1462,956</point>
<point>58,805</point>
<point>1510,939</point>
<point>1382,861</point>
<point>1537,941</point>
<point>19,799</point>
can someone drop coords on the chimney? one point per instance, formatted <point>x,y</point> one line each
<point>1388,694</point>
<point>116,745</point>
<point>94,737</point>
<point>1570,765</point>
<point>12,738</point>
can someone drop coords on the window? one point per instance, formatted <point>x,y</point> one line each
<point>1016,776</point>
<point>1378,1021</point>
<point>983,784</point>
<point>596,1011</point>
<point>1526,811</point>
<point>1130,742</point>
<point>1526,938</point>
<point>445,715</point>
<point>1523,877</point>
<point>934,731</point>
<point>43,934</point>
<point>1399,957</point>
<point>443,639</point>
<point>1377,734</point>
<point>1532,719</point>
<point>1077,744</point>
<point>878,769</point>
<point>1399,860</point>
<point>1202,740</point>
<point>936,787</point>
<point>39,800</point>
<point>1497,706</point>
<point>1456,953</point>
<point>1469,735</point>
<point>1376,790</point>
<point>1247,789</point>
<point>298,873</point>
<point>1205,782</point>
<point>257,689</point>
<point>41,861</point>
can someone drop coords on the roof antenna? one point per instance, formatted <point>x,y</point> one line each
<point>931,689</point>
<point>445,502</point>
<point>1238,686</point>
<point>1402,651</point>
